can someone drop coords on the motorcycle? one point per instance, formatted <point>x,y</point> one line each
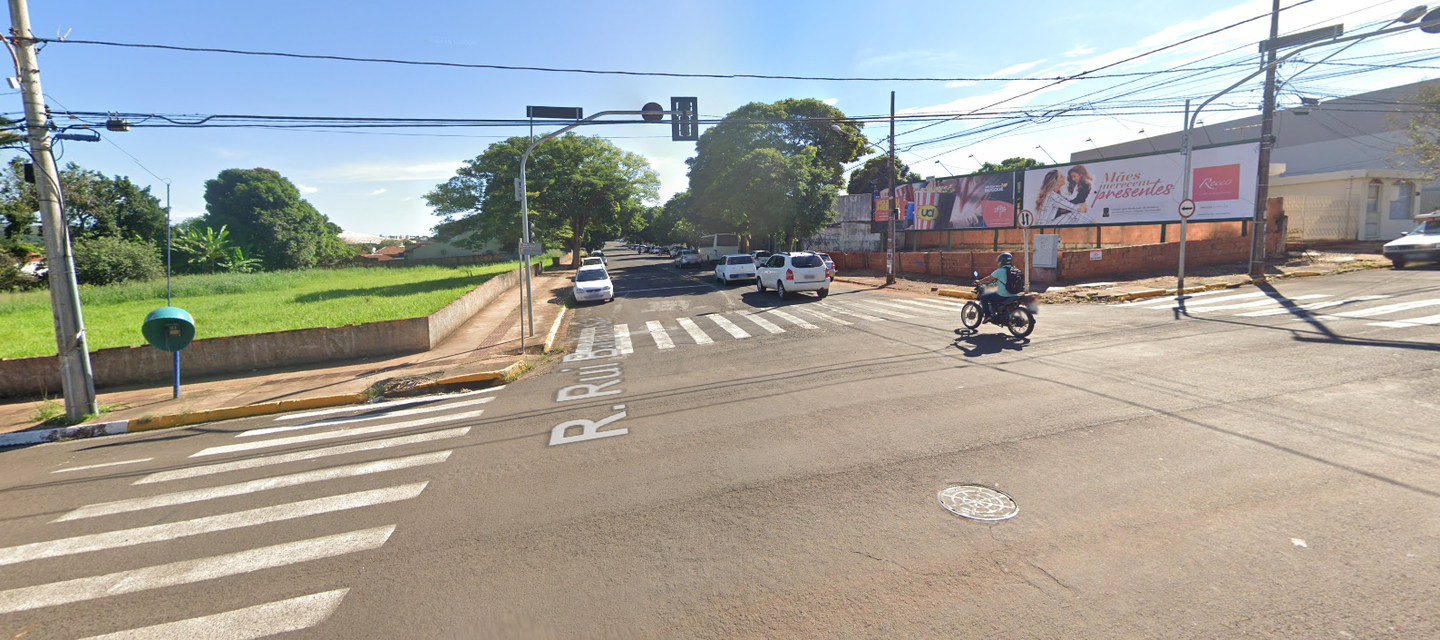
<point>1017,314</point>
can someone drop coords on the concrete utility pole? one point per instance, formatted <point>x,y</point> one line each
<point>890,236</point>
<point>76,378</point>
<point>1267,140</point>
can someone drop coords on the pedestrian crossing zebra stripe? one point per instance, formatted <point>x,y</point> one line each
<point>330,435</point>
<point>696,333</point>
<point>622,339</point>
<point>286,458</point>
<point>754,316</point>
<point>1308,307</point>
<point>1386,309</point>
<point>1256,303</point>
<point>822,316</point>
<point>792,319</point>
<point>340,421</point>
<point>730,327</point>
<point>843,311</point>
<point>1168,302</point>
<point>931,306</point>
<point>657,332</point>
<point>871,306</point>
<point>1407,323</point>
<point>271,618</point>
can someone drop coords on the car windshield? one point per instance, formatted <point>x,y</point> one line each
<point>591,275</point>
<point>810,260</point>
<point>739,260</point>
<point>1428,228</point>
<point>593,261</point>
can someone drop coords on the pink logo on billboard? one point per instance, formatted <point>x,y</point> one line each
<point>1217,183</point>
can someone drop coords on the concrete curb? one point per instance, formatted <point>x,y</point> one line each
<point>554,331</point>
<point>968,295</point>
<point>151,423</point>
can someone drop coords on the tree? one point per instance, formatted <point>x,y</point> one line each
<point>102,260</point>
<point>801,131</point>
<point>269,221</point>
<point>1010,164</point>
<point>95,205</point>
<point>871,176</point>
<point>578,186</point>
<point>1422,131</point>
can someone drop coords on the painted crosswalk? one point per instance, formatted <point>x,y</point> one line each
<point>1375,310</point>
<point>155,519</point>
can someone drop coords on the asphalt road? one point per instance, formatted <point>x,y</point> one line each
<point>714,462</point>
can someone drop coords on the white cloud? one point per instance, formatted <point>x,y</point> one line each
<point>428,171</point>
<point>830,101</point>
<point>1007,71</point>
<point>1079,51</point>
<point>305,189</point>
<point>377,192</point>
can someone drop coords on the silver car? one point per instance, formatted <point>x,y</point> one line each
<point>688,258</point>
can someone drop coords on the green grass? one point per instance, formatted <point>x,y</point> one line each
<point>237,304</point>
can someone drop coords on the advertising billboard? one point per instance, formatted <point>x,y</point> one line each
<point>1145,189</point>
<point>978,201</point>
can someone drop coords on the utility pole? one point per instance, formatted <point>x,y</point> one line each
<point>890,236</point>
<point>1267,140</point>
<point>76,378</point>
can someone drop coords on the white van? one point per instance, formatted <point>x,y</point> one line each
<point>716,246</point>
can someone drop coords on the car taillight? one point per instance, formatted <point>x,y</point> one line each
<point>827,272</point>
<point>789,274</point>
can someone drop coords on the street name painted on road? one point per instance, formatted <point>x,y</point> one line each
<point>597,342</point>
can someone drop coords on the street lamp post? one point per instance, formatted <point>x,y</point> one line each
<point>1430,24</point>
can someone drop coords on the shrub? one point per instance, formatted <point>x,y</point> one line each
<point>112,260</point>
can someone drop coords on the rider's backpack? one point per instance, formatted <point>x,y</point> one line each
<point>1014,280</point>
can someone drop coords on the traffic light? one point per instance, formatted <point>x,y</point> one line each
<point>683,125</point>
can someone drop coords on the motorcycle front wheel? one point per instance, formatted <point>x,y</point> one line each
<point>1019,321</point>
<point>970,315</point>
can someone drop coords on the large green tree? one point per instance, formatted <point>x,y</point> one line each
<point>95,206</point>
<point>814,139</point>
<point>578,187</point>
<point>871,176</point>
<point>269,221</point>
<point>1009,164</point>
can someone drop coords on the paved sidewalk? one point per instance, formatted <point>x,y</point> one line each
<point>1313,262</point>
<point>489,341</point>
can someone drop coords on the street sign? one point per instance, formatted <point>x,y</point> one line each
<point>531,249</point>
<point>1026,219</point>
<point>561,113</point>
<point>1305,37</point>
<point>683,125</point>
<point>1187,208</point>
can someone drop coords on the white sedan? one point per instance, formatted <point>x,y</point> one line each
<point>592,283</point>
<point>735,268</point>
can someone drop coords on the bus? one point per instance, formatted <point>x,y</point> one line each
<point>713,246</point>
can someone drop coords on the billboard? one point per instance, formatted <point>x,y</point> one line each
<point>967,202</point>
<point>1145,189</point>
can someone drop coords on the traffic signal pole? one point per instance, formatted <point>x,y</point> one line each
<point>77,381</point>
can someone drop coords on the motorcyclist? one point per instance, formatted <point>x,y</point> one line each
<point>992,300</point>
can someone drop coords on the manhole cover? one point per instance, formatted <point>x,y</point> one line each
<point>978,503</point>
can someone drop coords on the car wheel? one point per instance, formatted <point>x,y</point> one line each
<point>759,285</point>
<point>822,293</point>
<point>1399,264</point>
<point>780,289</point>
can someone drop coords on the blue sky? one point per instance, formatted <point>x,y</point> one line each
<point>374,182</point>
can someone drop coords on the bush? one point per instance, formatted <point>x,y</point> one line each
<point>13,279</point>
<point>112,260</point>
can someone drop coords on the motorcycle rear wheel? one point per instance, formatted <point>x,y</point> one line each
<point>1019,321</point>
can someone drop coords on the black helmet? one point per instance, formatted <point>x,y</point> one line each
<point>1006,259</point>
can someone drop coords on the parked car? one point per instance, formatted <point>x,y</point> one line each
<point>659,250</point>
<point>734,268</point>
<point>1420,245</point>
<point>787,273</point>
<point>688,258</point>
<point>601,256</point>
<point>592,282</point>
<point>828,262</point>
<point>643,248</point>
<point>760,257</point>
<point>675,251</point>
<point>585,262</point>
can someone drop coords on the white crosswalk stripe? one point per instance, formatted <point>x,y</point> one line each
<point>826,317</point>
<point>191,571</point>
<point>1256,303</point>
<point>931,307</point>
<point>1407,323</point>
<point>622,339</point>
<point>754,316</point>
<point>339,421</point>
<point>730,327</point>
<point>696,333</point>
<point>1386,309</point>
<point>209,524</point>
<point>587,340</point>
<point>657,332</point>
<point>792,319</point>
<point>1192,304</point>
<point>261,620</point>
<point>102,465</point>
<point>390,404</point>
<point>847,312</point>
<point>882,308</point>
<point>331,435</point>
<point>312,454</point>
<point>1308,307</point>
<point>1167,302</point>
<point>264,484</point>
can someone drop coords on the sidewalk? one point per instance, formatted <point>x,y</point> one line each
<point>1313,262</point>
<point>489,342</point>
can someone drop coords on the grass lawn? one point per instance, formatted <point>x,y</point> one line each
<point>237,304</point>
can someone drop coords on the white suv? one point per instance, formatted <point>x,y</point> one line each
<point>787,272</point>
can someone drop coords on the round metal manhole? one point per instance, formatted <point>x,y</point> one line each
<point>978,503</point>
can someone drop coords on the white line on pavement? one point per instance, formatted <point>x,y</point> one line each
<point>792,319</point>
<point>339,421</point>
<point>331,435</point>
<point>1256,303</point>
<point>261,620</point>
<point>622,339</point>
<point>932,306</point>
<point>1410,322</point>
<point>1170,303</point>
<point>387,404</point>
<point>1384,309</point>
<point>1151,302</point>
<point>253,463</point>
<point>754,316</point>
<point>102,465</point>
<point>188,571</point>
<point>1308,307</point>
<point>876,307</point>
<point>657,331</point>
<point>208,524</point>
<point>691,286</point>
<point>696,333</point>
<point>822,316</point>
<point>730,327</point>
<point>252,486</point>
<point>841,310</point>
<point>586,343</point>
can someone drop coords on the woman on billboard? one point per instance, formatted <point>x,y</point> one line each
<point>1052,208</point>
<point>1077,187</point>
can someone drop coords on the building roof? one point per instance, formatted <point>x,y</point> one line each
<point>351,237</point>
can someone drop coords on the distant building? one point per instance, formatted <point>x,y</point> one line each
<point>430,249</point>
<point>850,231</point>
<point>1334,163</point>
